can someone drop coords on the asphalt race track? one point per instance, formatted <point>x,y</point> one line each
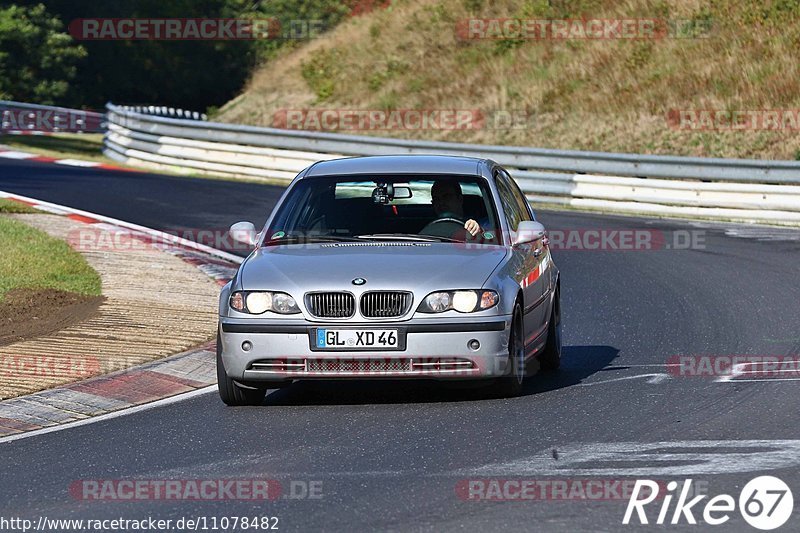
<point>392,456</point>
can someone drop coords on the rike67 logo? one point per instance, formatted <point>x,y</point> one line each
<point>765,503</point>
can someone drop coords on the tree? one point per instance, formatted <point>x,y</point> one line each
<point>37,59</point>
<point>189,74</point>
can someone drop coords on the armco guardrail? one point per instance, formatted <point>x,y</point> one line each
<point>731,189</point>
<point>22,118</point>
<point>164,111</point>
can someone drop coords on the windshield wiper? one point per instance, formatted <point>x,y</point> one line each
<point>408,237</point>
<point>303,239</point>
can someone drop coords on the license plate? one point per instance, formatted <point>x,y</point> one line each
<point>354,339</point>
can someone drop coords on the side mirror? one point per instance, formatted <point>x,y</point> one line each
<point>528,231</point>
<point>244,232</point>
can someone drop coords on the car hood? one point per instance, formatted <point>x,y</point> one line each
<point>414,267</point>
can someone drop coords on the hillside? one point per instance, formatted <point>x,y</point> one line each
<point>616,94</point>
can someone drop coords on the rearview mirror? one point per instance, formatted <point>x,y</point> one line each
<point>402,193</point>
<point>386,193</point>
<point>528,231</point>
<point>244,232</point>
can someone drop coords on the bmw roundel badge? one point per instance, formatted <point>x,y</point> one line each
<point>359,281</point>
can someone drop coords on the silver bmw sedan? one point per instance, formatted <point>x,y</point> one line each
<point>412,266</point>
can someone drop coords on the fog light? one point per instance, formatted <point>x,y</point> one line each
<point>247,346</point>
<point>474,345</point>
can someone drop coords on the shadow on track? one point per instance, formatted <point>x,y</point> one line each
<point>578,363</point>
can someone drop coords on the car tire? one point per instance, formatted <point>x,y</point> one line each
<point>510,385</point>
<point>551,355</point>
<point>231,392</point>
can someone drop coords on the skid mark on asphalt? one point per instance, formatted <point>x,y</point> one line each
<point>755,232</point>
<point>765,234</point>
<point>749,372</point>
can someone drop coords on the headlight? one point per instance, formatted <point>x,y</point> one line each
<point>467,301</point>
<point>284,304</point>
<point>437,302</point>
<point>259,302</point>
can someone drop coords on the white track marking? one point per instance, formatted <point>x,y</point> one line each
<point>77,163</point>
<point>667,458</point>
<point>735,371</point>
<point>744,372</point>
<point>739,370</point>
<point>654,379</point>
<point>11,154</point>
<point>760,380</point>
<point>623,366</point>
<point>108,416</point>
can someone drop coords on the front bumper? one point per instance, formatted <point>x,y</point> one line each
<point>432,350</point>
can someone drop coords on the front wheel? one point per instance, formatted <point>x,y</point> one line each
<point>510,385</point>
<point>231,392</point>
<point>551,355</point>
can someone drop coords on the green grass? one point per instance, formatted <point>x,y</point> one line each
<point>31,259</point>
<point>10,206</point>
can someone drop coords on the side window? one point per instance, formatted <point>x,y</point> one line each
<point>511,207</point>
<point>524,206</point>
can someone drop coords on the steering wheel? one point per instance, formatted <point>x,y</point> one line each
<point>444,220</point>
<point>458,233</point>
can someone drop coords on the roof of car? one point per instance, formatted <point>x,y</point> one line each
<point>398,164</point>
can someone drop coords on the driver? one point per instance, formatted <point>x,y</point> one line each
<point>448,203</point>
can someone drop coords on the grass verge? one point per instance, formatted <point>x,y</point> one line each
<point>31,259</point>
<point>12,207</point>
<point>86,146</point>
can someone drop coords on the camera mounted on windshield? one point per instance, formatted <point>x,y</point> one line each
<point>385,192</point>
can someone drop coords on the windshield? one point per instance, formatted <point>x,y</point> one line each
<point>430,208</point>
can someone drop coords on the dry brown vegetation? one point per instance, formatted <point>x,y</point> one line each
<point>609,95</point>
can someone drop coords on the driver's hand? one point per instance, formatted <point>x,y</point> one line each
<point>472,227</point>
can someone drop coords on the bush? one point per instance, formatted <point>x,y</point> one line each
<point>319,72</point>
<point>37,60</point>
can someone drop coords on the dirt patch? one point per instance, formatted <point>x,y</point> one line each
<point>29,313</point>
